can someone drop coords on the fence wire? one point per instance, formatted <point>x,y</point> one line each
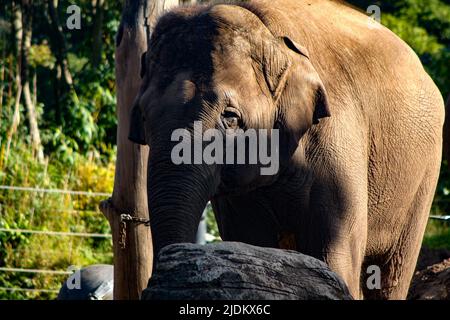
<point>71,192</point>
<point>48,233</point>
<point>58,233</point>
<point>58,272</point>
<point>29,290</point>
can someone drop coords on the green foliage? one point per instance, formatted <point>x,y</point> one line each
<point>78,117</point>
<point>416,36</point>
<point>211,226</point>
<point>428,35</point>
<point>77,124</point>
<point>425,26</point>
<point>41,55</point>
<point>50,211</point>
<point>437,235</point>
<point>78,130</point>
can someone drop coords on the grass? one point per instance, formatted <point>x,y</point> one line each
<point>54,212</point>
<point>437,235</point>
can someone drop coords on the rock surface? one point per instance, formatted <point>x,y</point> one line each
<point>429,257</point>
<point>232,270</point>
<point>94,282</point>
<point>433,283</point>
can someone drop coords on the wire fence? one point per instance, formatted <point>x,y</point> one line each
<point>60,272</point>
<point>201,235</point>
<point>60,191</point>
<point>29,290</point>
<point>48,233</point>
<point>58,233</point>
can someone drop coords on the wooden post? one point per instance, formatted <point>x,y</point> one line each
<point>132,264</point>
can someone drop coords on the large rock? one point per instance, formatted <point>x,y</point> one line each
<point>232,270</point>
<point>429,257</point>
<point>433,283</point>
<point>94,282</point>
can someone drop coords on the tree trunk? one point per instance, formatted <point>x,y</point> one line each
<point>32,119</point>
<point>64,80</point>
<point>30,106</point>
<point>14,123</point>
<point>97,33</point>
<point>133,263</point>
<point>18,37</point>
<point>59,42</point>
<point>2,74</point>
<point>10,83</point>
<point>34,87</point>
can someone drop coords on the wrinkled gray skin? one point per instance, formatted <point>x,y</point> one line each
<point>361,133</point>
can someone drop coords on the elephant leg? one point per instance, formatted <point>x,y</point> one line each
<point>334,226</point>
<point>397,267</point>
<point>337,234</point>
<point>345,255</point>
<point>348,266</point>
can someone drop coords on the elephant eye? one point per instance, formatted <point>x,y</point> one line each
<point>231,120</point>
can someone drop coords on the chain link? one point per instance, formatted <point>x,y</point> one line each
<point>124,218</point>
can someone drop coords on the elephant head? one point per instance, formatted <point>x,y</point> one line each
<point>219,66</point>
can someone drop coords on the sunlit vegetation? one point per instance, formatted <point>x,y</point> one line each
<point>58,128</point>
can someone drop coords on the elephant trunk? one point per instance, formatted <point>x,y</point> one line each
<point>177,196</point>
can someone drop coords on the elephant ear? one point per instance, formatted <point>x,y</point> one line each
<point>297,90</point>
<point>137,131</point>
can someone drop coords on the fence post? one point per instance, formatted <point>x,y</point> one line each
<point>132,265</point>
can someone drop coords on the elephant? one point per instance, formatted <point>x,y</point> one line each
<point>359,123</point>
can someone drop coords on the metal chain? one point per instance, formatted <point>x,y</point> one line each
<point>124,218</point>
<point>123,234</point>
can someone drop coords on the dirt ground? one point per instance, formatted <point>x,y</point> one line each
<point>432,278</point>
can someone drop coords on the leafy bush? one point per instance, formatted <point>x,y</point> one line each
<point>50,211</point>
